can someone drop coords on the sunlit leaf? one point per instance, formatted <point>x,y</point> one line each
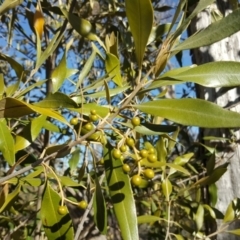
<point>38,21</point>
<point>193,112</point>
<point>199,217</point>
<point>9,4</point>
<point>213,33</point>
<point>121,196</point>
<point>230,214</point>
<point>235,231</point>
<point>166,188</point>
<point>7,143</point>
<point>56,100</point>
<point>214,74</point>
<point>87,67</point>
<point>112,65</point>
<point>10,198</point>
<point>56,226</point>
<point>148,219</point>
<point>140,18</point>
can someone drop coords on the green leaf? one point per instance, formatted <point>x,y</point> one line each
<point>51,127</point>
<point>212,189</point>
<point>13,108</point>
<point>200,6</point>
<point>214,177</point>
<point>211,212</point>
<point>15,65</point>
<point>29,133</point>
<point>121,196</point>
<point>87,66</point>
<point>35,182</point>
<point>235,231</point>
<point>148,219</point>
<point>49,50</point>
<point>210,165</point>
<point>9,4</point>
<point>29,88</point>
<point>82,26</point>
<point>199,217</point>
<point>57,100</point>
<point>112,65</point>
<point>213,33</point>
<point>140,18</point>
<point>56,226</point>
<point>59,74</point>
<point>7,143</point>
<point>100,211</point>
<point>74,160</point>
<point>177,168</point>
<point>2,85</point>
<point>166,188</point>
<point>214,74</point>
<point>230,214</point>
<point>112,92</point>
<point>10,198</point>
<point>193,112</point>
<point>183,159</point>
<point>86,109</point>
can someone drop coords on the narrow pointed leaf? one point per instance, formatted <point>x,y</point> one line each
<point>100,211</point>
<point>56,100</point>
<point>113,68</point>
<point>56,226</point>
<point>213,33</point>
<point>59,74</point>
<point>235,231</point>
<point>229,215</point>
<point>10,198</point>
<point>121,195</point>
<point>166,188</point>
<point>140,18</point>
<point>193,112</point>
<point>199,218</point>
<point>87,67</point>
<point>148,219</point>
<point>7,143</point>
<point>9,4</point>
<point>214,74</point>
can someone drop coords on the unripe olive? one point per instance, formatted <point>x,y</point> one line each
<point>152,158</point>
<point>62,210</point>
<point>136,180</point>
<point>135,121</point>
<point>82,204</point>
<point>126,168</point>
<point>130,142</point>
<point>149,173</point>
<point>116,153</point>
<point>74,121</point>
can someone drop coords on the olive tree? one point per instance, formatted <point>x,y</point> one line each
<point>108,119</point>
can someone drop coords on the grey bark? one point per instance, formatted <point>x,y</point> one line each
<point>225,50</point>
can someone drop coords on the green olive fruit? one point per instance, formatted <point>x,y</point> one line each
<point>88,126</point>
<point>151,150</point>
<point>136,180</point>
<point>152,158</point>
<point>74,121</point>
<point>123,148</point>
<point>135,121</point>
<point>143,153</point>
<point>82,204</point>
<point>93,118</point>
<point>126,168</point>
<point>116,153</point>
<point>130,142</point>
<point>149,173</point>
<point>62,210</point>
<point>93,112</point>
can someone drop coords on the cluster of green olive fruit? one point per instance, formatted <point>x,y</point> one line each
<point>62,210</point>
<point>88,125</point>
<point>144,154</point>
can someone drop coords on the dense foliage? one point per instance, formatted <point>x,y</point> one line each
<point>99,140</point>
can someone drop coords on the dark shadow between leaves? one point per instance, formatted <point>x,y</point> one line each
<point>117,198</point>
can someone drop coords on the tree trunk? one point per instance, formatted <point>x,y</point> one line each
<point>225,50</point>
